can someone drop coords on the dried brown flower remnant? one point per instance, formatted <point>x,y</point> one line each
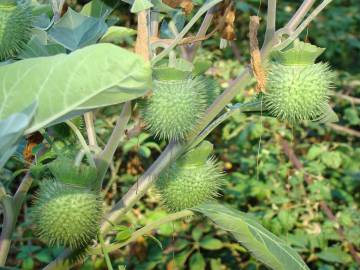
<point>33,140</point>
<point>256,65</point>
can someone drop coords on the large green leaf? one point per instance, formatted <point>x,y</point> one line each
<point>264,245</point>
<point>62,83</point>
<point>11,130</point>
<point>75,30</point>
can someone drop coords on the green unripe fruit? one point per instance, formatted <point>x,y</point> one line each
<point>297,88</point>
<point>189,182</point>
<point>15,26</point>
<point>66,215</point>
<point>174,108</point>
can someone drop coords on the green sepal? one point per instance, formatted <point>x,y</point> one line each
<point>180,69</point>
<point>297,53</point>
<point>66,172</point>
<point>197,156</point>
<point>201,66</point>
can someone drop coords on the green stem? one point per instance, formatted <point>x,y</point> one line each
<point>145,230</point>
<point>8,225</point>
<point>104,159</point>
<point>270,20</point>
<point>299,15</point>
<point>90,128</point>
<point>11,206</point>
<point>246,107</point>
<point>303,25</point>
<point>82,142</point>
<point>105,252</point>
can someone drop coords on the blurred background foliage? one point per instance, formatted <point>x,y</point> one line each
<point>260,177</point>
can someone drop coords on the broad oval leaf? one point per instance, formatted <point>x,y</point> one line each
<point>264,245</point>
<point>62,83</point>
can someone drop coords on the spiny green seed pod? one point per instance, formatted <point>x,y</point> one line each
<point>174,108</point>
<point>192,180</point>
<point>15,26</point>
<point>297,88</point>
<point>66,215</point>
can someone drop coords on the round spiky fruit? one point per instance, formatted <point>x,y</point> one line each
<point>66,215</point>
<point>15,26</point>
<point>174,107</point>
<point>297,88</point>
<point>192,180</point>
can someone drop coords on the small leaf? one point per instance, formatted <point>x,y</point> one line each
<point>211,243</point>
<point>36,48</point>
<point>116,34</point>
<point>96,8</point>
<point>140,5</point>
<point>334,255</point>
<point>196,234</point>
<point>331,159</point>
<point>197,262</point>
<point>123,233</point>
<point>314,152</point>
<point>75,30</point>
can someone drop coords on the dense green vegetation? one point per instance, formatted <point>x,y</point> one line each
<point>300,181</point>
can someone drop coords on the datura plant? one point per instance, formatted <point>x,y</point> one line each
<point>59,66</point>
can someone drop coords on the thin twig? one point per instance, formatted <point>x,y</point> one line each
<point>299,15</point>
<point>303,25</point>
<point>323,205</point>
<point>90,128</point>
<point>185,30</point>
<point>82,142</point>
<point>145,230</point>
<point>352,100</point>
<point>192,49</point>
<point>270,20</point>
<point>344,130</point>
